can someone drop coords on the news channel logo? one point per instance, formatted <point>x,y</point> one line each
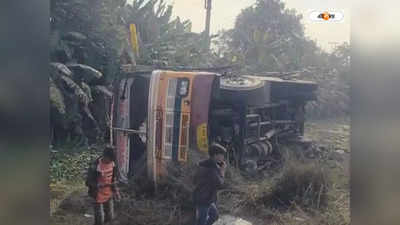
<point>325,16</point>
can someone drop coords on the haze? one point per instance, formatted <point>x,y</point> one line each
<point>224,12</point>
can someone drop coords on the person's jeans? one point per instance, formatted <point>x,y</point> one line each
<point>103,212</point>
<point>206,214</point>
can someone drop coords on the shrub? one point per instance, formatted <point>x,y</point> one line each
<point>70,165</point>
<point>301,184</point>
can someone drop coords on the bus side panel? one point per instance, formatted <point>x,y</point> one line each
<point>160,169</point>
<point>201,98</point>
<point>121,139</point>
<point>153,122</point>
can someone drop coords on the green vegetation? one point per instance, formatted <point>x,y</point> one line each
<point>305,185</point>
<point>70,165</point>
<point>90,43</point>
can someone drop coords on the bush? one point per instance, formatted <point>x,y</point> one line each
<point>70,165</point>
<point>301,184</point>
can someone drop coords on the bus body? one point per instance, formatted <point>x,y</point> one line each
<point>159,118</point>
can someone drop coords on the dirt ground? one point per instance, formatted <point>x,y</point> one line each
<point>330,133</point>
<point>70,205</point>
<point>333,134</point>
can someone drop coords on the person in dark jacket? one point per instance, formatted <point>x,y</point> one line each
<point>208,180</point>
<point>102,185</point>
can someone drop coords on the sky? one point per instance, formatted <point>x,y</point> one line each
<point>224,12</point>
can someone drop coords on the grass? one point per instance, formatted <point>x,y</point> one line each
<point>70,165</point>
<point>60,191</point>
<point>67,168</point>
<point>300,184</point>
<point>305,191</point>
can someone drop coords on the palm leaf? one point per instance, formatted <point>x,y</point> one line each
<point>56,97</point>
<point>76,90</point>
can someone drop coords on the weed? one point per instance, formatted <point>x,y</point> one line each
<point>302,184</point>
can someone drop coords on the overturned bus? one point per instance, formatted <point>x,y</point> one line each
<point>162,116</point>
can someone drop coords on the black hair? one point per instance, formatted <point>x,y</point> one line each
<point>216,149</point>
<point>109,152</point>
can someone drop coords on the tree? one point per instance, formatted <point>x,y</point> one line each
<point>340,60</point>
<point>163,40</point>
<point>90,43</point>
<point>100,25</point>
<point>268,37</point>
<point>87,41</point>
